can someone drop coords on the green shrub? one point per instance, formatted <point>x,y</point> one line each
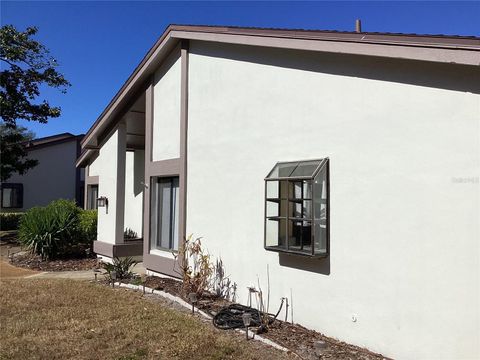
<point>88,226</point>
<point>122,267</point>
<point>10,221</point>
<point>52,231</point>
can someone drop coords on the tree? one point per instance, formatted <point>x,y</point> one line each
<point>26,67</point>
<point>30,66</point>
<point>13,151</point>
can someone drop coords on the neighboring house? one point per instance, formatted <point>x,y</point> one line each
<point>54,177</point>
<point>348,163</point>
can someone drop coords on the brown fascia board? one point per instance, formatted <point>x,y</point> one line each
<point>48,139</point>
<point>435,48</point>
<point>84,158</point>
<point>52,140</point>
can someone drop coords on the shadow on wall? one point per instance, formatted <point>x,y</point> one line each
<point>138,171</point>
<point>421,73</point>
<point>316,265</point>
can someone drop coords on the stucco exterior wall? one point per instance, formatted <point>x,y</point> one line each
<point>166,110</point>
<point>95,166</point>
<point>404,258</point>
<point>106,167</point>
<point>134,174</point>
<point>53,178</point>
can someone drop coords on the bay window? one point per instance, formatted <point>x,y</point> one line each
<point>296,208</point>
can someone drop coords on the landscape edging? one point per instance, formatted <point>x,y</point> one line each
<point>182,302</point>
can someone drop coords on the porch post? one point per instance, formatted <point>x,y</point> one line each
<point>120,191</point>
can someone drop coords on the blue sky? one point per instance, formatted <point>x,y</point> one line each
<point>98,44</point>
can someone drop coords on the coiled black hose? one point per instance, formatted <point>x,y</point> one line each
<point>230,317</point>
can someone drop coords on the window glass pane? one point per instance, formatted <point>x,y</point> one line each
<point>300,236</point>
<point>273,189</point>
<point>320,237</point>
<point>6,197</point>
<point>164,213</point>
<point>301,189</point>
<point>320,191</point>
<point>275,233</point>
<point>300,209</point>
<point>92,196</point>
<point>306,168</point>
<point>277,208</point>
<point>176,210</point>
<point>282,170</point>
<point>295,190</point>
<point>153,212</point>
<point>277,189</point>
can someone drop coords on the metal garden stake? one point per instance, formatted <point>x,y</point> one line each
<point>193,299</point>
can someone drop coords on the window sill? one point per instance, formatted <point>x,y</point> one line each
<point>296,253</point>
<point>162,253</point>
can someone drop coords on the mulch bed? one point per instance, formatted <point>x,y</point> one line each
<point>307,344</point>
<point>35,262</point>
<point>168,285</point>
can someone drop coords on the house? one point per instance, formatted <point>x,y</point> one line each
<point>348,163</point>
<point>55,176</point>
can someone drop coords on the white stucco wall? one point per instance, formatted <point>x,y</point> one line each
<point>105,166</point>
<point>404,231</point>
<point>166,111</point>
<point>53,178</point>
<point>134,175</point>
<point>95,166</point>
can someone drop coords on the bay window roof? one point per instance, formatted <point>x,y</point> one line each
<point>307,169</point>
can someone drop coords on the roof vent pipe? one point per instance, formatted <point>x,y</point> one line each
<point>358,26</point>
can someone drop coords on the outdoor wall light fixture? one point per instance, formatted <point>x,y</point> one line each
<point>247,319</point>
<point>192,297</point>
<point>102,201</point>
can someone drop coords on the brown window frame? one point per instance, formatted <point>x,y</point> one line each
<point>92,200</point>
<point>284,187</point>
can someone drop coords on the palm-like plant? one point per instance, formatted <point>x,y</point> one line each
<point>51,230</point>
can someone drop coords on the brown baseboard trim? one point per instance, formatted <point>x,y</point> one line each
<point>130,248</point>
<point>161,265</point>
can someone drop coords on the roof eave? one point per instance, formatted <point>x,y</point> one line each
<point>84,159</point>
<point>465,52</point>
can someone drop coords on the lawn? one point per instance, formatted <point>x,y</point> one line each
<point>64,319</point>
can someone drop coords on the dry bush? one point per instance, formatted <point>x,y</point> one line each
<point>194,267</point>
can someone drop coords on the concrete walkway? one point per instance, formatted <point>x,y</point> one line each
<point>8,271</point>
<point>78,275</point>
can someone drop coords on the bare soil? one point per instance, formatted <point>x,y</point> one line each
<point>34,262</point>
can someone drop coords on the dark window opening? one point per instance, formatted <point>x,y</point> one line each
<point>12,196</point>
